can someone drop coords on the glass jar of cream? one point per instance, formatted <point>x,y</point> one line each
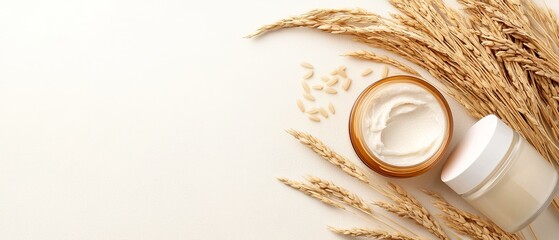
<point>500,174</point>
<point>400,126</point>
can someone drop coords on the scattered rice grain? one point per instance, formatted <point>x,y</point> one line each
<point>323,112</point>
<point>367,72</point>
<point>308,75</point>
<point>300,105</point>
<point>330,90</point>
<point>317,87</point>
<point>306,87</point>
<point>308,96</point>
<point>332,82</point>
<point>313,118</point>
<point>307,65</point>
<point>342,73</point>
<point>385,72</point>
<point>325,78</point>
<point>347,84</point>
<point>331,108</point>
<point>313,110</point>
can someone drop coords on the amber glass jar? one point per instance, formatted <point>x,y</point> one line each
<point>364,108</point>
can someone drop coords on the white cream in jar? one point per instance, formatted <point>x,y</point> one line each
<point>404,125</point>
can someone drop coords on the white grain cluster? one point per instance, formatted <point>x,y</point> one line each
<point>330,84</point>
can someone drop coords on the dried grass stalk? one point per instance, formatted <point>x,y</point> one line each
<point>368,55</point>
<point>311,191</point>
<point>403,199</point>
<point>372,233</point>
<point>469,224</point>
<point>407,206</point>
<point>336,196</point>
<point>341,194</point>
<point>327,154</point>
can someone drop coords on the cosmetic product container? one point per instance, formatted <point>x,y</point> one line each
<point>500,174</point>
<point>400,126</point>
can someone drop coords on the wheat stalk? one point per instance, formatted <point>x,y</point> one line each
<point>510,51</point>
<point>407,206</point>
<point>372,233</point>
<point>350,199</point>
<point>341,194</point>
<point>334,195</point>
<point>469,224</point>
<point>327,154</point>
<point>368,55</point>
<point>403,199</point>
<point>311,191</point>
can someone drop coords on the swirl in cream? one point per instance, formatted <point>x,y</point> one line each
<point>404,124</point>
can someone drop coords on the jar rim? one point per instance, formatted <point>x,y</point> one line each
<point>372,161</point>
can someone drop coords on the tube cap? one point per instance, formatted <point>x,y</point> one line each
<point>477,154</point>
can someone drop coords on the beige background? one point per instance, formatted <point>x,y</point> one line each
<point>155,119</point>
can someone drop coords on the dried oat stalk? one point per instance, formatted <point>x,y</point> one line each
<point>329,193</point>
<point>311,191</point>
<point>371,56</point>
<point>341,194</point>
<point>372,233</point>
<point>327,154</point>
<point>469,224</point>
<point>407,206</point>
<point>339,197</point>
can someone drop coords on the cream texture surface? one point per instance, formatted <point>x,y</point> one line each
<point>404,124</point>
